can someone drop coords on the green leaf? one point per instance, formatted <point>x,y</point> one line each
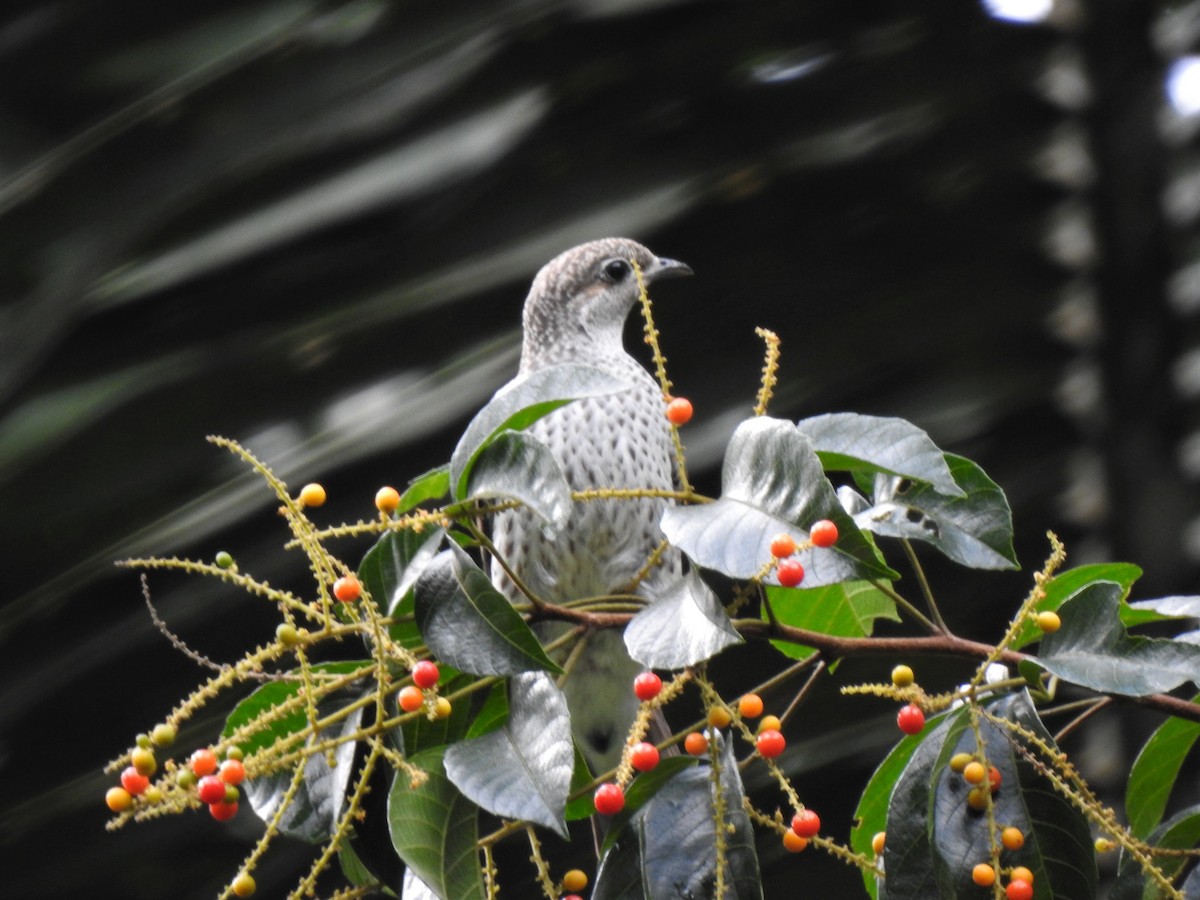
<point>641,791</point>
<point>973,528</point>
<point>849,442</point>
<point>771,482</point>
<point>934,838</point>
<point>422,733</point>
<point>434,830</point>
<point>356,870</point>
<point>519,466</point>
<point>389,571</point>
<point>1063,585</point>
<point>1180,832</point>
<point>493,713</point>
<point>580,807</point>
<point>667,850</point>
<point>685,626</point>
<point>1154,772</point>
<point>1093,649</point>
<point>470,624</point>
<point>432,485</point>
<point>871,815</point>
<point>523,769</point>
<point>848,609</point>
<point>521,402</point>
<point>316,805</point>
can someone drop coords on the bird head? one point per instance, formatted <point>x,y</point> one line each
<point>577,306</point>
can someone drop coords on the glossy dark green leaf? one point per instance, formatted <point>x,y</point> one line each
<point>640,792</point>
<point>771,482</point>
<point>1180,832</point>
<point>973,528</point>
<point>389,571</point>
<point>848,609</point>
<point>518,466</point>
<point>521,402</point>
<point>1153,775</point>
<point>523,769</point>
<point>356,870</point>
<point>434,830</point>
<point>580,806</point>
<point>870,816</point>
<point>1064,584</point>
<point>432,485</point>
<point>470,624</point>
<point>493,713</point>
<point>934,838</point>
<point>1093,649</point>
<point>685,626</point>
<point>422,733</point>
<point>667,850</point>
<point>316,805</point>
<point>850,442</point>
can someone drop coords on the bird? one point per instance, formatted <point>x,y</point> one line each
<point>575,312</point>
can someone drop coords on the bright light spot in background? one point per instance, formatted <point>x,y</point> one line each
<point>1183,85</point>
<point>1019,10</point>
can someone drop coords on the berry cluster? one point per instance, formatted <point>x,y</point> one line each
<point>789,571</point>
<point>1020,878</point>
<point>216,782</point>
<point>135,779</point>
<point>911,718</point>
<point>425,675</point>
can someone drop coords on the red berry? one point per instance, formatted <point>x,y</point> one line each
<point>204,762</point>
<point>910,719</point>
<point>790,572</point>
<point>782,545</point>
<point>232,771</point>
<point>425,674</point>
<point>609,799</point>
<point>347,589</point>
<point>1019,890</point>
<point>643,756</point>
<point>222,811</point>
<point>211,789</point>
<point>647,685</point>
<point>770,743</point>
<point>806,823</point>
<point>134,781</point>
<point>679,411</point>
<point>994,779</point>
<point>823,533</point>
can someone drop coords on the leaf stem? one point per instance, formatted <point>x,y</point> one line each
<point>926,590</point>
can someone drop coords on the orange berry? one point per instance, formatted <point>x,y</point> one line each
<point>750,706</point>
<point>679,411</point>
<point>974,772</point>
<point>994,779</point>
<point>410,698</point>
<point>118,799</point>
<point>204,762</point>
<point>387,500</point>
<point>877,842</point>
<point>793,843</point>
<point>823,534</point>
<point>232,772</point>
<point>347,589</point>
<point>312,495</point>
<point>770,723</point>
<point>575,880</point>
<point>983,875</point>
<point>783,544</point>
<point>977,799</point>
<point>243,885</point>
<point>696,744</point>
<point>1020,873</point>
<point>1013,839</point>
<point>719,717</point>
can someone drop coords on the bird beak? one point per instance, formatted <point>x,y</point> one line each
<point>667,268</point>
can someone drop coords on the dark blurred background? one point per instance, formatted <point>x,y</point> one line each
<point>310,226</point>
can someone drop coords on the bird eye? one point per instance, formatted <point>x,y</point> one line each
<point>615,270</point>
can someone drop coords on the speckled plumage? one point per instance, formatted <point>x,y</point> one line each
<point>575,312</point>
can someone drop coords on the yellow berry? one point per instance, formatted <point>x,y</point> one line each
<point>143,760</point>
<point>153,794</point>
<point>1020,873</point>
<point>977,799</point>
<point>902,676</point>
<point>118,799</point>
<point>877,842</point>
<point>792,842</point>
<point>287,635</point>
<point>243,885</point>
<point>575,880</point>
<point>1049,622</point>
<point>770,723</point>
<point>442,708</point>
<point>1013,839</point>
<point>974,772</point>
<point>983,875</point>
<point>1104,845</point>
<point>163,735</point>
<point>719,717</point>
<point>750,706</point>
<point>387,500</point>
<point>312,495</point>
<point>959,761</point>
